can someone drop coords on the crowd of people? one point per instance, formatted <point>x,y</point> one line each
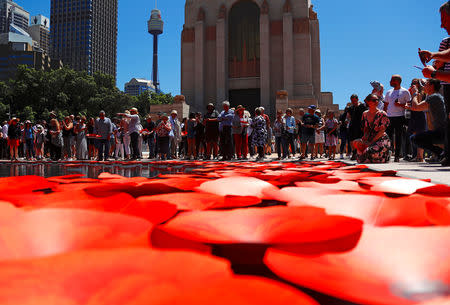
<point>407,122</point>
<point>411,123</point>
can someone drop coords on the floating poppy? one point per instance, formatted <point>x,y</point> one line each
<point>438,301</point>
<point>438,190</point>
<point>388,266</point>
<point>373,209</point>
<point>51,231</point>
<point>439,212</point>
<point>394,185</point>
<point>137,277</point>
<point>23,184</point>
<point>339,186</point>
<point>239,186</point>
<point>264,226</point>
<point>201,201</point>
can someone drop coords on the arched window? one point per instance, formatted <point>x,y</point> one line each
<point>244,40</point>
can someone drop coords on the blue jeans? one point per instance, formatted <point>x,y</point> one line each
<point>103,149</point>
<point>29,148</point>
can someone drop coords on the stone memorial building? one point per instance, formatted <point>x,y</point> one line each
<point>246,51</point>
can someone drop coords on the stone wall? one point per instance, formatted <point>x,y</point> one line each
<point>179,105</point>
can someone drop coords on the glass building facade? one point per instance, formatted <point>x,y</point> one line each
<point>84,34</point>
<point>11,12</point>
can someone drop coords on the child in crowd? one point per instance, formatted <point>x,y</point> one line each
<point>118,136</point>
<point>40,139</point>
<point>332,140</point>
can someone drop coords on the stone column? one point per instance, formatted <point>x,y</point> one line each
<point>264,32</point>
<point>288,53</point>
<point>315,53</point>
<point>199,68</point>
<point>221,57</point>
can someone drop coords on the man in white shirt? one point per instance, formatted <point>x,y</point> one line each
<point>395,101</point>
<point>4,141</point>
<point>134,129</point>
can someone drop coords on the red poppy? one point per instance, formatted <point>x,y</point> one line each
<point>138,277</point>
<point>373,209</point>
<point>438,190</point>
<point>239,186</point>
<point>439,212</point>
<point>259,226</point>
<point>51,231</point>
<point>388,266</point>
<point>200,201</point>
<point>438,301</point>
<point>394,185</point>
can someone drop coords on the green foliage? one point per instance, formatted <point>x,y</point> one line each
<point>33,94</point>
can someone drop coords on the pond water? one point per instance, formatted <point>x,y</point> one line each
<point>88,170</point>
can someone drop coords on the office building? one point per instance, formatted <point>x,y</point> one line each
<point>84,34</point>
<point>21,53</point>
<point>39,31</point>
<point>11,13</point>
<point>136,86</point>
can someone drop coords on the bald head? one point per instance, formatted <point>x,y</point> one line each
<point>396,81</point>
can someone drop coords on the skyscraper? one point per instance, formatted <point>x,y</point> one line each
<point>11,13</point>
<point>84,34</point>
<point>40,32</point>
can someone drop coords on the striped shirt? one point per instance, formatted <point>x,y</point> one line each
<point>445,44</point>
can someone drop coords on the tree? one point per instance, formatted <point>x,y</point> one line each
<point>67,91</point>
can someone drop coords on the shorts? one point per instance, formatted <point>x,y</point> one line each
<point>311,139</point>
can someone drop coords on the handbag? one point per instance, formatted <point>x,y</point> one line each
<point>57,140</point>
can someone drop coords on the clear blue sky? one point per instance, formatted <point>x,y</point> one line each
<point>361,41</point>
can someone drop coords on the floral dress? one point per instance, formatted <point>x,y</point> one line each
<point>259,135</point>
<point>378,152</point>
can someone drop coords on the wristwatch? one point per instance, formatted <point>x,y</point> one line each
<point>433,74</point>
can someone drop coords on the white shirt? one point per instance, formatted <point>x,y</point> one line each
<point>392,95</point>
<point>5,131</point>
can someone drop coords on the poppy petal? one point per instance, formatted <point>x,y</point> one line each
<point>439,212</point>
<point>388,266</point>
<point>239,186</point>
<point>51,231</point>
<point>269,226</point>
<point>394,185</point>
<point>137,277</point>
<point>377,210</point>
<point>438,190</point>
<point>201,201</point>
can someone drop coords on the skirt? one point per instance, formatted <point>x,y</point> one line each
<point>163,145</point>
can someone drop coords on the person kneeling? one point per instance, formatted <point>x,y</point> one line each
<point>374,146</point>
<point>435,105</point>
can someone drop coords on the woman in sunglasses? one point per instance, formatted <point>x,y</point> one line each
<point>374,146</point>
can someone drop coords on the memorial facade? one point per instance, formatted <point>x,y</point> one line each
<point>246,51</point>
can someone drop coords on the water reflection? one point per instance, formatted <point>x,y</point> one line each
<point>88,170</point>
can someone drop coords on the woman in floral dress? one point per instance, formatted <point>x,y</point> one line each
<point>374,147</point>
<point>259,135</point>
